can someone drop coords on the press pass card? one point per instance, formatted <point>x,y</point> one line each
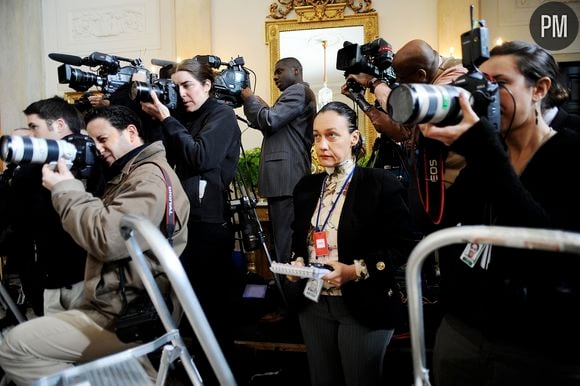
<point>471,253</point>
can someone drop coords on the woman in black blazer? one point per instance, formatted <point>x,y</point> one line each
<point>356,221</point>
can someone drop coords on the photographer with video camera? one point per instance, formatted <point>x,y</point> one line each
<point>204,142</point>
<point>286,146</point>
<point>511,315</point>
<point>52,276</point>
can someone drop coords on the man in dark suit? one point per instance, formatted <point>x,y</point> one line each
<point>285,155</point>
<point>552,111</point>
<point>558,118</point>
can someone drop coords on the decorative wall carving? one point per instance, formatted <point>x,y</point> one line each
<point>319,9</point>
<point>107,23</point>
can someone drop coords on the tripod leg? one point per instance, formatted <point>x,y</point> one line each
<point>277,278</point>
<point>11,305</point>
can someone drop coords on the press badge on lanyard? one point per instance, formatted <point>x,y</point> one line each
<point>320,243</point>
<point>472,253</point>
<point>319,235</point>
<point>313,289</point>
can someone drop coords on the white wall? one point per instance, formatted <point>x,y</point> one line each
<point>33,28</point>
<point>511,21</point>
<point>227,28</point>
<point>136,29</point>
<point>240,31</point>
<point>22,74</point>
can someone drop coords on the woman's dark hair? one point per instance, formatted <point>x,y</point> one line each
<point>200,71</point>
<point>534,62</point>
<point>118,116</point>
<point>349,114</point>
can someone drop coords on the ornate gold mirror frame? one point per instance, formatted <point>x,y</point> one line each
<point>317,15</point>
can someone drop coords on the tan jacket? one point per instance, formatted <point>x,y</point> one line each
<point>94,224</point>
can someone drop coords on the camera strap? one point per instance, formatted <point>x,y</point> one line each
<point>169,227</point>
<point>430,168</point>
<point>169,201</point>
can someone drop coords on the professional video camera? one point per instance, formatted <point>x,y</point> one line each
<point>109,75</point>
<point>420,103</point>
<point>229,83</point>
<point>372,58</point>
<point>78,150</point>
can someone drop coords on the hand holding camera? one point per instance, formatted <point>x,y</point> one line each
<point>78,151</point>
<point>155,108</point>
<point>448,134</point>
<point>52,177</point>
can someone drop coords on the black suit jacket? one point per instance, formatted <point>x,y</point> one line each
<point>564,119</point>
<point>375,225</point>
<point>287,130</point>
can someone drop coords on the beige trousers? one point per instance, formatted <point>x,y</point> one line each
<point>63,299</point>
<point>49,344</point>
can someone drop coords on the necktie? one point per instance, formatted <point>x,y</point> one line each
<point>331,184</point>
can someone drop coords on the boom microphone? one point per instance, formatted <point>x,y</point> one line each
<point>67,59</point>
<point>162,63</point>
<point>212,60</point>
<point>94,59</point>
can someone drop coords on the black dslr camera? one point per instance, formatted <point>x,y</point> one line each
<point>78,150</point>
<point>165,90</point>
<point>420,103</point>
<point>228,84</point>
<point>374,58</point>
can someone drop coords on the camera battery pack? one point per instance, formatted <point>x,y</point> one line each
<point>475,47</point>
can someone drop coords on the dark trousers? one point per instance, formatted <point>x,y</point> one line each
<point>281,213</point>
<point>340,350</point>
<point>218,285</point>
<point>463,356</point>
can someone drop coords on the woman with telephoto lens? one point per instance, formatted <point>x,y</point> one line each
<point>511,316</point>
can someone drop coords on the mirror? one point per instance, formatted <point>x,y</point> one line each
<point>303,39</point>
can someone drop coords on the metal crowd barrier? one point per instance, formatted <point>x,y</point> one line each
<point>524,238</point>
<point>123,368</point>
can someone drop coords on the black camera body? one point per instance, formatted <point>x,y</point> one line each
<point>228,84</point>
<point>165,90</point>
<point>78,150</point>
<point>485,94</point>
<point>475,46</point>
<point>374,58</point>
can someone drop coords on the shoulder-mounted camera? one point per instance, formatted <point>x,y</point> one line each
<point>228,84</point>
<point>108,76</point>
<point>374,58</point>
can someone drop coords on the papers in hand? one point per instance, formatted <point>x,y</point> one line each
<point>308,272</point>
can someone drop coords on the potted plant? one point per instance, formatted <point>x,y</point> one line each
<point>248,168</point>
